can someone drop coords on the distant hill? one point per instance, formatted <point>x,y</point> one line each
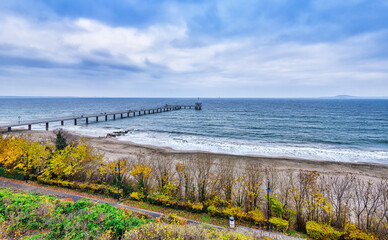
<point>344,96</point>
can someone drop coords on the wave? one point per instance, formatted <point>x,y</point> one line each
<point>274,149</point>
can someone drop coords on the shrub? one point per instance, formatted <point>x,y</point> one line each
<point>136,196</point>
<point>197,207</point>
<point>213,211</point>
<point>321,231</point>
<point>257,216</point>
<point>353,233</point>
<point>279,224</point>
<point>276,206</point>
<point>159,198</point>
<point>216,201</point>
<point>11,174</point>
<point>172,219</point>
<point>236,212</point>
<point>88,187</point>
<point>166,231</point>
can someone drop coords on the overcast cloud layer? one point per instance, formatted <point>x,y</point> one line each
<point>258,48</point>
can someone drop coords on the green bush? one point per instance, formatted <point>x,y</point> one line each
<point>321,231</point>
<point>16,174</point>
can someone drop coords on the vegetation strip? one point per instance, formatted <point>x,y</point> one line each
<point>304,201</point>
<point>34,216</point>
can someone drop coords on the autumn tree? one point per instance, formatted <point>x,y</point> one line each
<point>25,155</point>
<point>141,172</point>
<point>253,174</point>
<point>74,162</point>
<point>226,172</point>
<point>60,141</point>
<point>186,180</point>
<point>164,172</point>
<point>340,195</point>
<point>202,166</point>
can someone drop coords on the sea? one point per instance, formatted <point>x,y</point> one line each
<point>345,130</point>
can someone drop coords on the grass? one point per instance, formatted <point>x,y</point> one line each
<point>33,216</point>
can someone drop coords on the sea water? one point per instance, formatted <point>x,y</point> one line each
<point>349,130</point>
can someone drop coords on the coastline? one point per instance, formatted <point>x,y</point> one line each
<point>114,149</point>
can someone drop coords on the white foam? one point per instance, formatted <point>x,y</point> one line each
<point>235,146</point>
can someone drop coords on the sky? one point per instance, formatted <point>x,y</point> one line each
<point>225,48</point>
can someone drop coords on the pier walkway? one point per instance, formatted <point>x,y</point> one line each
<point>104,115</point>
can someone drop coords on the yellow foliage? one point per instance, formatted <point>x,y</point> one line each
<point>72,160</point>
<point>141,169</point>
<point>198,207</point>
<point>321,231</point>
<point>236,212</point>
<point>172,219</point>
<point>172,231</point>
<point>117,167</point>
<point>213,210</point>
<point>257,216</point>
<point>279,223</point>
<point>137,196</point>
<point>18,153</point>
<point>353,233</point>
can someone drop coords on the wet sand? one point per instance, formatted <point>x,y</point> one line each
<point>114,149</point>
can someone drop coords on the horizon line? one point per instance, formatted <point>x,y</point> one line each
<point>321,97</point>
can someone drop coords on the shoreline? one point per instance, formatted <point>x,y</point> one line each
<point>114,149</point>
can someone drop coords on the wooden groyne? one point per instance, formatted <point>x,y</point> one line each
<point>105,116</point>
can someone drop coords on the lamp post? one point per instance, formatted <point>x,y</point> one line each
<point>117,170</point>
<point>268,207</point>
<point>26,172</point>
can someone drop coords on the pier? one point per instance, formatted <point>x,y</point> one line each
<point>105,116</point>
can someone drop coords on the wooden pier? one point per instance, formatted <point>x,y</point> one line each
<point>104,115</point>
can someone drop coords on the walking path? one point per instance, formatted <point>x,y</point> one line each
<point>13,184</point>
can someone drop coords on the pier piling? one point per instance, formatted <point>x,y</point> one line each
<point>75,121</point>
<point>47,126</point>
<point>62,123</point>
<point>29,126</point>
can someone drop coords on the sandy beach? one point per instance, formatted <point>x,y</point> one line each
<point>114,149</point>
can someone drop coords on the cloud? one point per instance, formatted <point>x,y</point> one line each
<point>276,59</point>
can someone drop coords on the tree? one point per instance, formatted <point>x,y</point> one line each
<point>60,142</point>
